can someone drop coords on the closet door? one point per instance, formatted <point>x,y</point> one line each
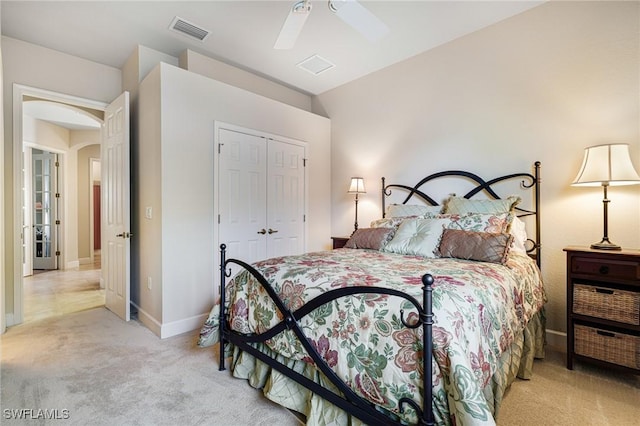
<point>242,192</point>
<point>285,198</point>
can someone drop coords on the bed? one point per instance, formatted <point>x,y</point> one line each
<point>425,317</point>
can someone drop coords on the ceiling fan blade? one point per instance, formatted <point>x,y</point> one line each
<point>293,25</point>
<point>360,18</point>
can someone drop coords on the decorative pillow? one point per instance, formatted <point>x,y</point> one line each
<point>370,238</point>
<point>404,210</point>
<point>462,205</point>
<point>479,222</point>
<point>417,237</point>
<point>519,233</point>
<point>388,222</point>
<point>470,245</point>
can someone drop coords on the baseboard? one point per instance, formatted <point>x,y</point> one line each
<point>73,264</point>
<point>183,326</point>
<point>557,340</point>
<point>85,261</point>
<point>8,320</point>
<point>148,321</point>
<point>170,329</point>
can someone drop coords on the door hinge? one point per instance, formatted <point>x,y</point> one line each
<point>57,252</point>
<point>218,219</point>
<point>57,195</point>
<point>304,217</point>
<point>304,162</point>
<point>220,147</point>
<point>57,221</point>
<point>57,164</point>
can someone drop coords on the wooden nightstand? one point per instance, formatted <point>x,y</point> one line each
<point>603,307</point>
<point>339,242</point>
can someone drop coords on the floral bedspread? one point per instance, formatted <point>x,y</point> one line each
<point>479,308</point>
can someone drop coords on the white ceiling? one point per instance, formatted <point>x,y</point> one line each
<point>243,32</point>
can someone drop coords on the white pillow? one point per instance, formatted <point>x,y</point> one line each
<point>404,210</point>
<point>519,233</point>
<point>419,237</point>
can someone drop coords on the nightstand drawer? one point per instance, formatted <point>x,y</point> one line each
<point>608,303</point>
<point>605,345</point>
<point>621,269</point>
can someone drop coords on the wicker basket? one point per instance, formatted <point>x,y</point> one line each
<point>612,304</point>
<point>605,345</point>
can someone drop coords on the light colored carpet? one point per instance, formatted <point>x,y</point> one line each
<point>586,395</point>
<point>108,372</point>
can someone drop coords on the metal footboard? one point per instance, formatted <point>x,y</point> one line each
<point>347,400</point>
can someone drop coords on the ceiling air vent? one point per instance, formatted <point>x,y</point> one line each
<point>316,65</point>
<point>190,29</point>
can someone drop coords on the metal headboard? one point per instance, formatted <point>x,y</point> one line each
<point>529,181</point>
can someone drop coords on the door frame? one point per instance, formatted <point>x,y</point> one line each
<point>19,92</point>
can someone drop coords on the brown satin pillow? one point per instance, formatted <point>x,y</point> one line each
<point>370,238</point>
<point>471,245</point>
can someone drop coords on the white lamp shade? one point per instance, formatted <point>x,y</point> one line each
<point>607,164</point>
<point>357,186</point>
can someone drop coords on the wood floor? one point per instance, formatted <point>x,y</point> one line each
<point>53,293</point>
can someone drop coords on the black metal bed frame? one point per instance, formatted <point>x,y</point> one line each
<point>347,399</point>
<point>482,185</point>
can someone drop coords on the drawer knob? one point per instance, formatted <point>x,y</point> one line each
<point>604,269</point>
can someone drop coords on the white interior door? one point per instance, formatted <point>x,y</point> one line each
<point>115,205</point>
<point>242,194</point>
<point>285,198</point>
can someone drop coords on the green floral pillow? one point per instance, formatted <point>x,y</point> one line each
<point>461,205</point>
<point>477,222</point>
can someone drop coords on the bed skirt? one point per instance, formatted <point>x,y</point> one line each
<point>517,361</point>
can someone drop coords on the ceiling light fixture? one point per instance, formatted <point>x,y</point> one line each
<point>360,18</point>
<point>350,11</point>
<point>293,25</point>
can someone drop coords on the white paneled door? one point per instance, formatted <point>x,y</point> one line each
<point>243,194</point>
<point>116,227</point>
<point>285,198</point>
<point>261,193</point>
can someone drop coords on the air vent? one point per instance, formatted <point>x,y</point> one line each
<point>316,65</point>
<point>190,29</point>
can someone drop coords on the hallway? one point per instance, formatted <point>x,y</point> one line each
<point>53,293</point>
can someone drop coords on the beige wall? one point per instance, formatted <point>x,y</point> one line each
<point>177,177</point>
<point>225,73</point>
<point>542,85</point>
<point>23,63</point>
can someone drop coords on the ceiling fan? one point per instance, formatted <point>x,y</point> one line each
<point>350,11</point>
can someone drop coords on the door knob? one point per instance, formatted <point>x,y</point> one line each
<point>272,231</point>
<point>262,231</point>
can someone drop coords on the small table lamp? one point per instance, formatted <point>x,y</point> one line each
<point>606,165</point>
<point>357,187</point>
